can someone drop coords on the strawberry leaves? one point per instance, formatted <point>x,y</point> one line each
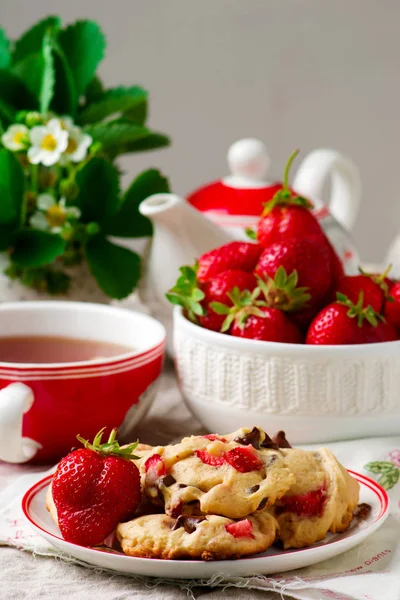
<point>285,196</point>
<point>389,473</point>
<point>282,291</point>
<point>357,310</point>
<point>111,447</point>
<point>187,294</point>
<point>244,304</point>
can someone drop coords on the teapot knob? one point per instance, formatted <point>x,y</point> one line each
<point>249,163</point>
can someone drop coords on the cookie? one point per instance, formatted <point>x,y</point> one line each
<point>232,476</point>
<point>322,499</point>
<point>209,537</point>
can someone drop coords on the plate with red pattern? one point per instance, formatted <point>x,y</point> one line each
<point>273,561</point>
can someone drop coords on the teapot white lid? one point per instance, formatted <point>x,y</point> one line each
<point>249,162</point>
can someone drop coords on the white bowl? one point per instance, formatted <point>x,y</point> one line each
<point>314,393</point>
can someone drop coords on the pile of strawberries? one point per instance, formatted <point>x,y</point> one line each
<point>289,286</point>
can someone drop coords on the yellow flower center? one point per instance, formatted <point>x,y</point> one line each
<point>72,146</point>
<point>49,142</point>
<point>56,216</point>
<point>19,137</point>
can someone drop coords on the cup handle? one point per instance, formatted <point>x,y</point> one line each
<point>314,172</point>
<point>15,400</point>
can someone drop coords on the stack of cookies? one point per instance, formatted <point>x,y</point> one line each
<point>221,497</point>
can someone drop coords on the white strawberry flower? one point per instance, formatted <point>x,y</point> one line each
<point>52,215</point>
<point>78,144</point>
<point>48,143</point>
<point>16,138</point>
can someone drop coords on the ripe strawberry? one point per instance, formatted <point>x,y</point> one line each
<point>310,504</point>
<point>309,256</point>
<point>235,255</point>
<point>210,459</point>
<point>243,460</point>
<point>387,332</point>
<point>240,529</point>
<point>213,437</point>
<point>217,290</point>
<point>392,308</point>
<point>196,297</point>
<point>344,322</point>
<point>251,318</point>
<point>154,468</point>
<point>375,288</point>
<point>94,488</point>
<point>286,215</point>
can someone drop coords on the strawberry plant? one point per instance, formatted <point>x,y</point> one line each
<point>61,133</point>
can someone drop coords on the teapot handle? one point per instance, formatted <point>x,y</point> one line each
<point>345,196</point>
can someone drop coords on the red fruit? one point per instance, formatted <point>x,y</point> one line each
<point>235,255</point>
<point>387,332</point>
<point>154,468</point>
<point>352,285</point>
<point>281,223</point>
<point>210,459</point>
<point>273,326</point>
<point>213,437</point>
<point>310,504</point>
<point>392,309</point>
<point>243,459</point>
<point>309,256</point>
<point>217,289</point>
<point>336,265</point>
<point>286,215</point>
<point>343,322</point>
<point>240,529</point>
<point>94,488</point>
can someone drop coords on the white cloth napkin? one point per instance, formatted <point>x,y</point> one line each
<point>370,571</point>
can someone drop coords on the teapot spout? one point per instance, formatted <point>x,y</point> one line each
<point>157,204</point>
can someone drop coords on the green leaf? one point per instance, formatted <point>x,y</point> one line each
<point>38,73</point>
<point>6,236</point>
<point>35,248</point>
<point>94,90</point>
<point>98,184</point>
<point>14,95</point>
<point>138,114</point>
<point>32,40</point>
<point>65,99</point>
<point>380,466</point>
<point>12,184</point>
<point>48,76</point>
<point>5,56</point>
<point>153,141</point>
<point>389,479</point>
<point>251,233</point>
<point>128,222</point>
<point>116,269</point>
<point>83,44</point>
<point>114,136</point>
<point>113,101</point>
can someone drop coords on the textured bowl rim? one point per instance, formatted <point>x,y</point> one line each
<point>215,338</point>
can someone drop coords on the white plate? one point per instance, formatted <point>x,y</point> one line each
<point>272,561</point>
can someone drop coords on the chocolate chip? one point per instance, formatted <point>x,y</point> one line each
<point>254,489</point>
<point>362,511</point>
<point>167,480</point>
<point>269,444</point>
<point>252,438</point>
<point>280,439</point>
<point>182,485</point>
<point>262,504</point>
<point>187,522</point>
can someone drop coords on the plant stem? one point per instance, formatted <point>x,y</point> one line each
<point>287,169</point>
<point>35,178</point>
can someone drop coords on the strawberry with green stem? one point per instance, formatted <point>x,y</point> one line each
<point>94,488</point>
<point>196,297</point>
<point>251,318</point>
<point>287,215</point>
<point>343,322</point>
<point>282,291</point>
<point>374,287</point>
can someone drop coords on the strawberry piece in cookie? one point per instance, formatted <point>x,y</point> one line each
<point>310,504</point>
<point>241,529</point>
<point>243,460</point>
<point>154,468</point>
<point>210,459</point>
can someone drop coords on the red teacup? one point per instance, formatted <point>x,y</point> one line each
<point>44,406</point>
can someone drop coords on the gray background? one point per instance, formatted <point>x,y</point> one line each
<point>295,73</point>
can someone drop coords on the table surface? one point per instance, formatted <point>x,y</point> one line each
<point>24,576</point>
